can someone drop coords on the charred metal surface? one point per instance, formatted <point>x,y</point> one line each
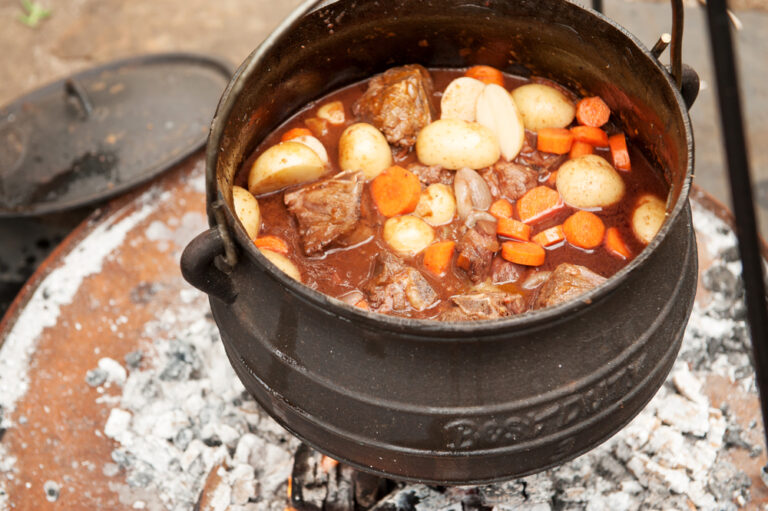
<point>374,404</point>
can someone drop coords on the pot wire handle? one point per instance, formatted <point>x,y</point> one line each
<point>676,50</point>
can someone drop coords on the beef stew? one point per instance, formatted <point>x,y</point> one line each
<point>438,195</point>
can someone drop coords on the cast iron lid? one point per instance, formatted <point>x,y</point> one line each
<point>105,130</point>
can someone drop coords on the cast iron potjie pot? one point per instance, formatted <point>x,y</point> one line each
<point>463,402</point>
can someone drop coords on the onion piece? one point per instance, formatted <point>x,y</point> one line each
<point>535,279</point>
<point>352,298</point>
<point>471,191</point>
<point>482,217</point>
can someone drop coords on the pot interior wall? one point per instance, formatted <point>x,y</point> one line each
<point>351,40</point>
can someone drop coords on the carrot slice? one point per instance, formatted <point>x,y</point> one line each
<point>619,153</point>
<point>396,191</point>
<point>537,203</point>
<point>514,229</point>
<point>523,252</point>
<point>554,140</point>
<point>552,179</point>
<point>580,149</point>
<point>486,74</point>
<point>272,243</point>
<point>363,305</point>
<point>462,261</point>
<point>296,133</point>
<point>589,135</point>
<point>437,257</point>
<point>584,229</point>
<point>615,244</point>
<point>550,236</point>
<point>501,209</point>
<point>592,112</point>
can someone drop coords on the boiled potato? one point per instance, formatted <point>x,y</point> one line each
<point>283,263</point>
<point>363,147</point>
<point>647,218</point>
<point>247,210</point>
<point>436,205</point>
<point>453,144</point>
<point>497,111</point>
<point>460,99</point>
<point>314,144</point>
<point>589,182</point>
<point>543,106</point>
<point>408,235</point>
<point>332,112</point>
<point>285,164</point>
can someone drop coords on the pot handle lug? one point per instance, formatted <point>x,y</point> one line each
<point>204,266</point>
<point>690,87</point>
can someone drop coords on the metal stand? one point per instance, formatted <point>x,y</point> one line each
<point>741,191</point>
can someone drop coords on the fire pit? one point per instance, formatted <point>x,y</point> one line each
<point>159,420</point>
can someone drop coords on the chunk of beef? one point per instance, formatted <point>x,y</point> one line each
<point>491,305</point>
<point>503,271</point>
<point>567,281</point>
<point>431,174</point>
<point>361,234</point>
<point>542,161</point>
<point>475,252</point>
<point>326,210</point>
<point>398,103</point>
<point>394,286</point>
<point>509,179</point>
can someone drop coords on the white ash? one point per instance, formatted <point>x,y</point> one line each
<point>96,377</point>
<point>115,373</point>
<point>52,491</point>
<point>183,413</point>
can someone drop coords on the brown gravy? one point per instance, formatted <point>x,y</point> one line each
<point>340,271</point>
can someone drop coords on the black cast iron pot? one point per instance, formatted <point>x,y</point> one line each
<point>448,402</point>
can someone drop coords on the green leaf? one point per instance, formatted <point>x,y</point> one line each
<point>34,13</point>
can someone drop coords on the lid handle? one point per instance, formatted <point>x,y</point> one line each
<point>76,94</point>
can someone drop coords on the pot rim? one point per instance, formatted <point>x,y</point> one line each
<point>428,328</point>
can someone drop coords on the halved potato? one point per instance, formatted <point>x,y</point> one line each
<point>363,147</point>
<point>285,164</point>
<point>314,144</point>
<point>408,235</point>
<point>460,99</point>
<point>543,106</point>
<point>247,210</point>
<point>283,263</point>
<point>453,144</point>
<point>588,182</point>
<point>648,216</point>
